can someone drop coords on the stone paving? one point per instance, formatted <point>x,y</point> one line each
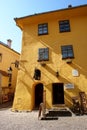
<point>29,121</point>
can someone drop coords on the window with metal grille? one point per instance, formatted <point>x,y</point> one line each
<point>43,29</point>
<point>67,51</point>
<point>0,57</point>
<point>43,54</point>
<point>37,74</point>
<point>64,26</point>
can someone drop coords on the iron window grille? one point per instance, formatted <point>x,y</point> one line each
<point>67,51</point>
<point>64,26</point>
<point>43,54</point>
<point>37,74</point>
<point>43,29</point>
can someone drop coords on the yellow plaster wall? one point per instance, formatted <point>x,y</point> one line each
<point>4,81</point>
<point>8,57</point>
<point>31,42</point>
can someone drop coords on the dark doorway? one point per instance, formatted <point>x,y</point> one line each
<point>58,93</point>
<point>38,94</point>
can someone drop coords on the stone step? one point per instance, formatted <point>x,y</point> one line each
<point>57,113</point>
<point>49,118</point>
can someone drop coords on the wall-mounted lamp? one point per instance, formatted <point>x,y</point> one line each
<point>10,76</point>
<point>16,63</point>
<point>57,73</point>
<point>9,70</point>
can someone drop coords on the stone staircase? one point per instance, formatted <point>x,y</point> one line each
<point>54,113</point>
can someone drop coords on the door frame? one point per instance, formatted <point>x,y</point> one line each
<point>58,94</point>
<point>38,94</point>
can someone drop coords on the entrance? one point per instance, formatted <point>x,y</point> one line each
<point>58,93</point>
<point>38,94</point>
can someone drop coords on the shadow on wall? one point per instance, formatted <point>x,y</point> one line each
<point>69,93</point>
<point>79,68</point>
<point>55,47</point>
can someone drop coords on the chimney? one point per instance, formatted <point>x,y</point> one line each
<point>69,6</point>
<point>9,41</point>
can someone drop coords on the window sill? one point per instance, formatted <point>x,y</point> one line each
<point>42,60</point>
<point>68,60</point>
<point>42,34</point>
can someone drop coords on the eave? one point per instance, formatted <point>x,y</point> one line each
<point>3,44</point>
<point>56,14</point>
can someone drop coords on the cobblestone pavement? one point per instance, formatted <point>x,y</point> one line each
<point>29,121</point>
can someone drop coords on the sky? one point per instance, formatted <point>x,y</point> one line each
<point>10,9</point>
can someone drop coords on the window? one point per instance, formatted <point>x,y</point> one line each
<point>64,26</point>
<point>37,74</point>
<point>67,51</point>
<point>0,57</point>
<point>43,54</point>
<point>42,29</point>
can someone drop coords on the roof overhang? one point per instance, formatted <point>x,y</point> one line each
<point>56,14</point>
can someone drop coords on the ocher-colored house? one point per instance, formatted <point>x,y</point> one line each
<point>8,70</point>
<point>53,58</point>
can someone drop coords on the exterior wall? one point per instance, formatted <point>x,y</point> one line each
<point>8,56</point>
<point>5,81</point>
<point>31,42</point>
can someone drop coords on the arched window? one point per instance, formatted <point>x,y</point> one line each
<point>37,74</point>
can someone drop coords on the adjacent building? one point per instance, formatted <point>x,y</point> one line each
<point>53,65</point>
<point>8,70</point>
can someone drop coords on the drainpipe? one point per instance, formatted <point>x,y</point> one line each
<point>0,89</point>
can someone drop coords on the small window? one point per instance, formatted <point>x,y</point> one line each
<point>64,26</point>
<point>0,57</point>
<point>42,29</point>
<point>43,54</point>
<point>67,51</point>
<point>37,74</point>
